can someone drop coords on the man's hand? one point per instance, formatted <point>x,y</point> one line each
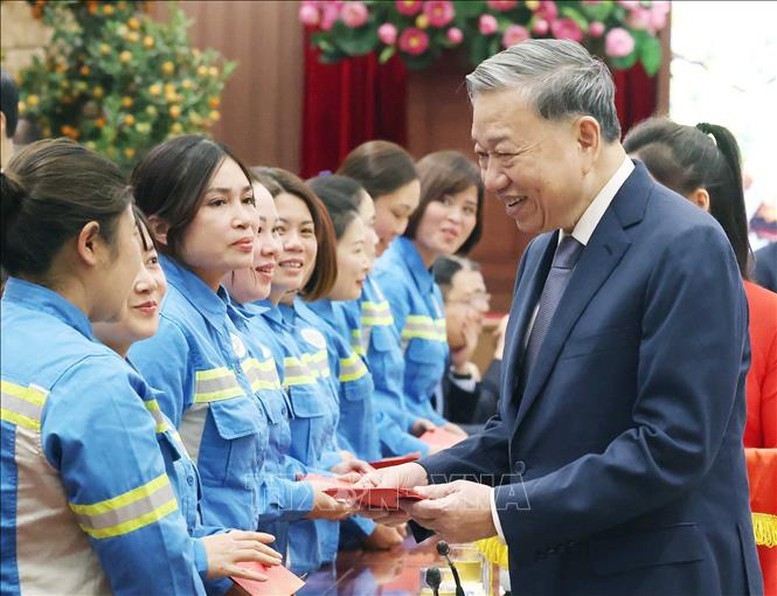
<point>455,429</point>
<point>458,512</point>
<point>383,538</point>
<point>225,550</point>
<point>408,475</point>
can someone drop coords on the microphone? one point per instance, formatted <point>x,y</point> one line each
<point>433,580</point>
<point>444,550</point>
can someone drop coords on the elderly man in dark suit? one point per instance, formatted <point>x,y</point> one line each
<point>615,464</point>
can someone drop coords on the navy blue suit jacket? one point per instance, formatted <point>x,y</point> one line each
<point>620,469</point>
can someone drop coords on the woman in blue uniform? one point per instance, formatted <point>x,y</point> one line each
<point>388,175</point>
<point>285,499</point>
<point>216,551</point>
<point>199,201</point>
<point>448,220</point>
<point>307,265</point>
<point>87,506</point>
<point>361,426</point>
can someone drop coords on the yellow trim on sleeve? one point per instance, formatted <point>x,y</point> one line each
<point>133,524</point>
<point>123,500</point>
<point>19,419</point>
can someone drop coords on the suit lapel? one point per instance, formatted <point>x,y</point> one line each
<point>601,255</point>
<point>525,297</point>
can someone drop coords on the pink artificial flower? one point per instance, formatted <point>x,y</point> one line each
<point>618,43</point>
<point>354,14</point>
<point>596,29</point>
<point>566,29</point>
<point>413,41</point>
<point>514,34</point>
<point>540,27</point>
<point>387,34</point>
<point>308,14</point>
<point>630,4</point>
<point>658,13</point>
<point>547,10</point>
<point>409,7</point>
<point>330,12</point>
<point>502,5</point>
<point>488,24</point>
<point>439,12</point>
<point>454,35</point>
<point>639,18</point>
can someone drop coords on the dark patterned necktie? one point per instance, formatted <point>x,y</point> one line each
<point>564,261</point>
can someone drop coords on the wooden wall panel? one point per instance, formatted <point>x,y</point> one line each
<point>440,117</point>
<point>262,102</point>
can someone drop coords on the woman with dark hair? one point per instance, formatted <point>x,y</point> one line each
<point>216,552</point>
<point>307,268</point>
<point>702,164</point>
<point>200,204</point>
<point>448,219</point>
<point>87,504</point>
<point>388,176</point>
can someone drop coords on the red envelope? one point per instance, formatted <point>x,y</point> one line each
<point>439,437</point>
<point>395,461</point>
<point>280,581</point>
<point>386,499</point>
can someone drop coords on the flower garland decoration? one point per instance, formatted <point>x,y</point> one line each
<point>118,81</point>
<point>624,32</point>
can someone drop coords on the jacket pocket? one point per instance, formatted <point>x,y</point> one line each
<point>682,543</point>
<point>606,340</point>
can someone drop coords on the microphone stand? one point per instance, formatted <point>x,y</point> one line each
<point>444,550</point>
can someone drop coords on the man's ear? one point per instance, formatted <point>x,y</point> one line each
<point>701,198</point>
<point>89,243</point>
<point>159,228</point>
<point>589,139</point>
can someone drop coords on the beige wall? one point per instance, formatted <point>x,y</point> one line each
<point>21,36</point>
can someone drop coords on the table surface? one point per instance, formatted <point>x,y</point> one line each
<point>396,572</point>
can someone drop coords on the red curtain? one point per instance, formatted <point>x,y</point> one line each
<point>635,96</point>
<point>348,103</point>
<point>358,100</point>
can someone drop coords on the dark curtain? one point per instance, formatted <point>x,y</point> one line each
<point>358,100</point>
<point>348,103</point>
<point>635,96</point>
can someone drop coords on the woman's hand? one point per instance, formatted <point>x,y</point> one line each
<point>224,551</point>
<point>352,465</point>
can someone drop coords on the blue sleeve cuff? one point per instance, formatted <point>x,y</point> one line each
<point>200,558</point>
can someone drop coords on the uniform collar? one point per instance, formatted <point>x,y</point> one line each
<point>36,297</point>
<point>212,305</point>
<point>409,254</point>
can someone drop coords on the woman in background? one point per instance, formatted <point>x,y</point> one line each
<point>448,220</point>
<point>702,164</point>
<point>200,204</point>
<point>87,504</point>
<point>388,176</point>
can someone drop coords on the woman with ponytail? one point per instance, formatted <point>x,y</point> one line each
<point>702,163</point>
<point>87,505</point>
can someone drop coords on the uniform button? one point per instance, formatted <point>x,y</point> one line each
<point>190,480</point>
<point>520,467</point>
<point>284,411</point>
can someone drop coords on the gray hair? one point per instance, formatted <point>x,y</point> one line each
<point>558,78</point>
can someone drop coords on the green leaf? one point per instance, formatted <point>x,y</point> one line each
<point>650,55</point>
<point>469,8</point>
<point>386,54</point>
<point>624,62</point>
<point>599,11</point>
<point>571,13</point>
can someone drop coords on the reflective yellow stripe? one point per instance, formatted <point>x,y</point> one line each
<point>134,524</point>
<point>123,500</point>
<point>22,406</point>
<point>294,373</point>
<point>127,512</point>
<point>424,327</point>
<point>351,368</point>
<point>261,374</point>
<point>376,314</point>
<point>356,342</point>
<point>318,362</point>
<point>216,384</point>
<point>162,423</point>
